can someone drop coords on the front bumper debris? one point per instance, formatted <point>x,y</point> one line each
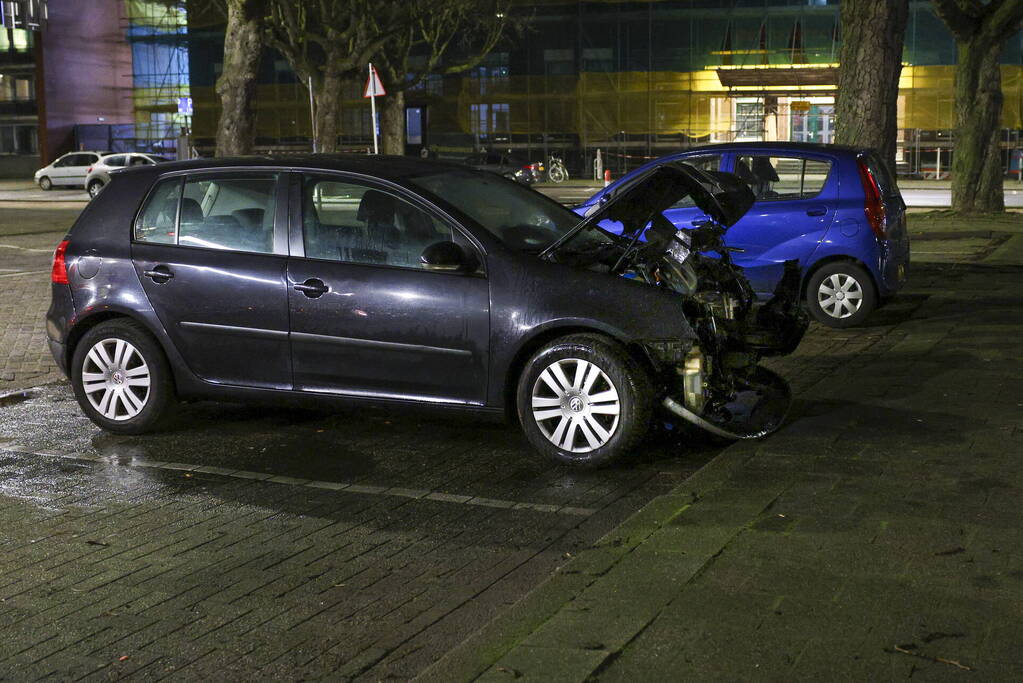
<point>754,411</point>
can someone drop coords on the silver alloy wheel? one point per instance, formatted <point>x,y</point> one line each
<point>116,379</point>
<point>840,295</point>
<point>94,189</point>
<point>580,414</point>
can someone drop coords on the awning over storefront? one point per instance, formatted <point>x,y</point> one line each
<point>777,77</point>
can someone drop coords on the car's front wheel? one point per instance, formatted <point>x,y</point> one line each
<point>121,378</point>
<point>95,187</point>
<point>841,294</point>
<point>584,401</point>
<point>45,183</point>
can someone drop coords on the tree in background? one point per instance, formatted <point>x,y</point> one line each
<point>437,38</point>
<point>328,42</point>
<point>980,29</point>
<point>870,62</point>
<point>243,49</point>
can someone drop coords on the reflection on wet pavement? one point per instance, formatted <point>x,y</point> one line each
<point>367,450</point>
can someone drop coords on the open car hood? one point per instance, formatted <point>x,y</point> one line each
<point>724,197</point>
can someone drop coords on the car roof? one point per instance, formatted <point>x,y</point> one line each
<point>382,166</point>
<point>779,145</point>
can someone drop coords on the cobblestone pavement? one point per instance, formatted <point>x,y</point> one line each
<point>247,542</point>
<point>876,536</point>
<point>27,239</point>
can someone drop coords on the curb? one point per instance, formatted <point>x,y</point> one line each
<point>510,630</point>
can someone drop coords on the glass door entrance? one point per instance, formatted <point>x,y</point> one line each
<point>812,122</point>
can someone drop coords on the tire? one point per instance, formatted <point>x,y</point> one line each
<point>45,183</point>
<point>557,174</point>
<point>95,187</point>
<point>107,377</point>
<point>848,280</point>
<point>569,433</point>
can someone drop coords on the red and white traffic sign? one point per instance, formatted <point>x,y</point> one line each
<point>374,87</point>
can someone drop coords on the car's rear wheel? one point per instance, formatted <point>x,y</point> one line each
<point>121,378</point>
<point>95,187</point>
<point>45,183</point>
<point>584,401</point>
<point>841,294</point>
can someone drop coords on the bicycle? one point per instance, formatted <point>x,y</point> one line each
<point>556,171</point>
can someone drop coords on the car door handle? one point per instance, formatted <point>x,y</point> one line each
<point>701,221</point>
<point>313,288</point>
<point>159,274</point>
<point>816,211</point>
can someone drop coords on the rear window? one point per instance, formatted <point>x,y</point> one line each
<point>233,213</point>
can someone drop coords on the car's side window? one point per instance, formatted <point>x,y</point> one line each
<point>116,160</point>
<point>345,221</point>
<point>707,162</point>
<point>815,174</point>
<point>774,177</point>
<point>158,221</point>
<point>233,213</point>
<point>64,161</point>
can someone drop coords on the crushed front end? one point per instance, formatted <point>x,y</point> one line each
<point>714,381</point>
<point>717,383</point>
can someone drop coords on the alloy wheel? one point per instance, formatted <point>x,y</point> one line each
<point>840,295</point>
<point>116,379</point>
<point>575,405</point>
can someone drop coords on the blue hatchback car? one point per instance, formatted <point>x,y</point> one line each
<point>833,208</point>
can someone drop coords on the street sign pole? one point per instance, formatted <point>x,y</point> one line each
<point>374,88</point>
<point>373,114</point>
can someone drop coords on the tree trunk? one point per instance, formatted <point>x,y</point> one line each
<point>328,114</point>
<point>392,122</point>
<point>236,130</point>
<point>977,161</point>
<point>868,82</point>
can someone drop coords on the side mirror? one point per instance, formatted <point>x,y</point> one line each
<point>446,257</point>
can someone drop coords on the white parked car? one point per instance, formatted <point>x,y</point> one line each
<point>99,174</point>
<point>69,169</point>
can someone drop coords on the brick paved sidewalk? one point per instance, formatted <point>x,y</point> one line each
<point>25,360</point>
<point>876,536</point>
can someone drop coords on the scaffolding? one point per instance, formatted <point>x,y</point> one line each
<point>157,31</point>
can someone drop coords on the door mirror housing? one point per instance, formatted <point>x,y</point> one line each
<point>446,257</point>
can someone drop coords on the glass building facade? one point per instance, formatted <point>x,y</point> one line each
<point>636,80</point>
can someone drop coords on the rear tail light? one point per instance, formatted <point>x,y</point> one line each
<point>58,275</point>
<point>532,167</point>
<point>89,171</point>
<point>873,204</point>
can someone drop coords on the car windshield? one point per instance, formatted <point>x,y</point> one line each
<point>521,218</point>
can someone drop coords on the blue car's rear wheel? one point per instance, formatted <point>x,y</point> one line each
<point>841,294</point>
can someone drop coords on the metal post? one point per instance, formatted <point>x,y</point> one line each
<point>373,110</point>
<point>312,112</point>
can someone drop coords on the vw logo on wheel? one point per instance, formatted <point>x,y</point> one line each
<point>576,404</point>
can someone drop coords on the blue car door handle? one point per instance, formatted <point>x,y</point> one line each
<point>816,211</point>
<point>701,220</point>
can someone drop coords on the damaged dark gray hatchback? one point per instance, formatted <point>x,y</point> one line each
<point>391,280</point>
